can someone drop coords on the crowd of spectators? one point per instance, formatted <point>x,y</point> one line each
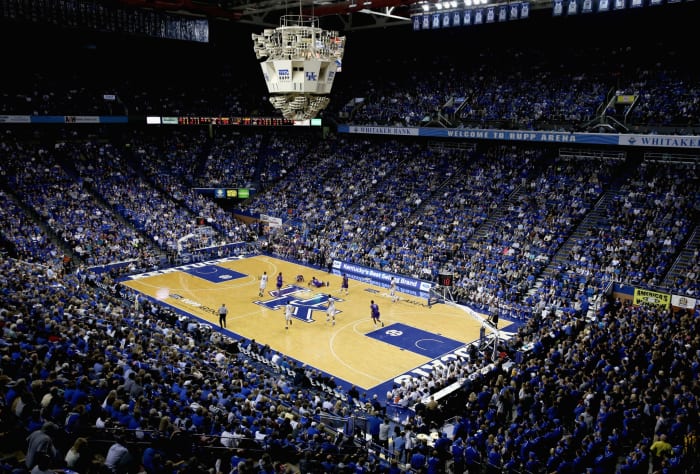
<point>172,166</point>
<point>342,208</point>
<point>508,256</point>
<point>88,369</point>
<point>641,231</point>
<point>496,221</point>
<point>165,221</point>
<point>94,379</point>
<point>128,76</point>
<point>450,217</point>
<point>586,393</point>
<point>87,228</point>
<point>472,211</point>
<point>231,160</point>
<point>27,239</point>
<point>565,88</point>
<point>170,395</point>
<point>483,96</point>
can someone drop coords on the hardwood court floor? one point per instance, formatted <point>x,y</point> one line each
<point>346,350</point>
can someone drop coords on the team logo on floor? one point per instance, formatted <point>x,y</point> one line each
<point>304,301</point>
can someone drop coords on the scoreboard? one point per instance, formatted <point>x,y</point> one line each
<point>249,121</point>
<point>232,193</point>
<point>235,121</point>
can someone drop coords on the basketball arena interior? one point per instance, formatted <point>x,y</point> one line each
<point>349,236</point>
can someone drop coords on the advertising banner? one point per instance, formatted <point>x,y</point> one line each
<point>412,286</point>
<point>683,302</point>
<point>651,298</point>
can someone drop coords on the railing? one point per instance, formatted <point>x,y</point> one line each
<point>672,158</point>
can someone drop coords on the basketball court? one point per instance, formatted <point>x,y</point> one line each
<point>354,350</point>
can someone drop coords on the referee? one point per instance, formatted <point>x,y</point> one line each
<point>223,311</point>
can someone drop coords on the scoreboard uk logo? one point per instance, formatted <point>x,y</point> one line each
<point>304,301</point>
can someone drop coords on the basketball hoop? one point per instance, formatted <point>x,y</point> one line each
<point>200,237</point>
<point>443,294</point>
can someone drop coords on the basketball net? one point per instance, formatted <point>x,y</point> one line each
<point>200,237</point>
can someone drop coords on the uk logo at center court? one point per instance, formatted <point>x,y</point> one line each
<point>304,301</point>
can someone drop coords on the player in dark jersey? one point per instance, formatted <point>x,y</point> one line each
<point>316,282</point>
<point>279,283</point>
<point>344,285</point>
<point>374,313</point>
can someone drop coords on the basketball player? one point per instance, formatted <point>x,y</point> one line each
<point>263,284</point>
<point>392,290</point>
<point>374,313</point>
<point>330,310</point>
<point>279,283</point>
<point>288,313</point>
<point>344,285</point>
<point>316,282</point>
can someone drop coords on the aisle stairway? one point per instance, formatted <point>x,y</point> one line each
<point>685,260</point>
<point>596,217</point>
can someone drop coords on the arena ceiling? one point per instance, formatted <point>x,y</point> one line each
<point>342,15</point>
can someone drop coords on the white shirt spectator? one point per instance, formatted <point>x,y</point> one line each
<point>227,439</point>
<point>116,453</point>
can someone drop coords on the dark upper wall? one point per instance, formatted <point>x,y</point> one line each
<point>229,41</point>
<point>376,54</point>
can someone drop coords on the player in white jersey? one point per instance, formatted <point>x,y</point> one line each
<point>288,314</point>
<point>263,284</point>
<point>330,310</point>
<point>392,290</point>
